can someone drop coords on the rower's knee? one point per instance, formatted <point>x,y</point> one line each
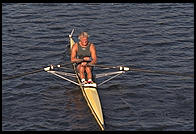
<point>81,69</point>
<point>88,69</point>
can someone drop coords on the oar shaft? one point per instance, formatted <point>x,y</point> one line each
<point>160,72</point>
<point>143,70</point>
<point>20,75</point>
<point>103,66</point>
<point>36,71</point>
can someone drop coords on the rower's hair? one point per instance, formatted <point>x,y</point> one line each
<point>83,34</point>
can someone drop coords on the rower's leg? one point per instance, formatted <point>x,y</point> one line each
<point>81,71</point>
<point>89,73</point>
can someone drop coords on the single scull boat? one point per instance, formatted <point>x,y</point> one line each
<point>90,93</point>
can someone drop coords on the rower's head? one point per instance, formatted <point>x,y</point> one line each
<point>83,37</point>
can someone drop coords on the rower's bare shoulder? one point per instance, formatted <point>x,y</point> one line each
<point>92,46</point>
<point>75,47</point>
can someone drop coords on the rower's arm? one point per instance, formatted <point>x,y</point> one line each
<point>73,55</point>
<point>93,54</point>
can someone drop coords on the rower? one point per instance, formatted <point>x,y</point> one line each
<point>84,53</point>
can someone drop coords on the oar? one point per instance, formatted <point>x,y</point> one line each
<point>161,72</point>
<point>143,70</point>
<point>36,71</point>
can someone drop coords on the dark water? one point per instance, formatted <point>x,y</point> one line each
<point>149,36</point>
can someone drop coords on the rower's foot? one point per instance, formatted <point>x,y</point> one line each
<point>84,81</point>
<point>90,81</point>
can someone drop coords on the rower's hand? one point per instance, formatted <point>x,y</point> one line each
<point>86,58</point>
<point>84,64</point>
<point>79,60</point>
<point>90,64</point>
